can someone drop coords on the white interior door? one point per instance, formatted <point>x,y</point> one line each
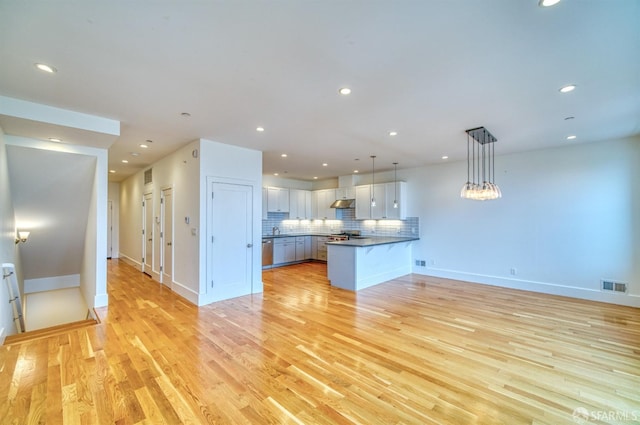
<point>231,240</point>
<point>167,236</point>
<point>147,233</point>
<point>109,229</point>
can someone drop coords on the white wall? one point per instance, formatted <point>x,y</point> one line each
<point>93,274</point>
<point>226,163</point>
<point>114,197</point>
<point>568,217</point>
<point>187,175</point>
<point>8,250</point>
<point>180,170</point>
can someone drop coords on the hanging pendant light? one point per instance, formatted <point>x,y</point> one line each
<point>480,166</point>
<point>395,185</point>
<point>373,179</point>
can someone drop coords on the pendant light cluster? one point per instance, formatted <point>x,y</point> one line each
<point>480,166</point>
<point>373,182</point>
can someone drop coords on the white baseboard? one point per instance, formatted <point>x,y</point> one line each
<point>100,300</point>
<point>130,261</point>
<point>185,292</point>
<point>534,286</point>
<point>51,283</point>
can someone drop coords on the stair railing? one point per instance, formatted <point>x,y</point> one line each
<point>9,276</point>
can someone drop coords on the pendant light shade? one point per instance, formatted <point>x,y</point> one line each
<point>480,166</point>
<point>373,179</point>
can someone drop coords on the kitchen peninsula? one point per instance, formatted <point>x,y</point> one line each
<point>356,264</point>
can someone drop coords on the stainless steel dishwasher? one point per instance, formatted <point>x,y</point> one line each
<point>267,252</point>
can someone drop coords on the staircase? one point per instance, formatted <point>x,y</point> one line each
<point>48,332</point>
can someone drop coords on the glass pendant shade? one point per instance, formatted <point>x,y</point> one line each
<point>480,166</point>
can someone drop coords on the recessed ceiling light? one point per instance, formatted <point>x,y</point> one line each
<point>547,3</point>
<point>445,157</point>
<point>284,155</point>
<point>143,146</point>
<point>46,68</point>
<point>569,118</point>
<point>315,178</point>
<point>124,161</point>
<point>324,164</point>
<point>185,114</point>
<point>393,133</point>
<point>356,171</point>
<point>344,91</point>
<point>568,88</point>
<point>55,139</point>
<point>275,174</point>
<point>571,137</point>
<point>135,154</point>
<point>260,129</point>
<point>112,171</point>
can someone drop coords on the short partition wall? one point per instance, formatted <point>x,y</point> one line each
<point>355,268</point>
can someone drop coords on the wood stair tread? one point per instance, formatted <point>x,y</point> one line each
<point>47,332</point>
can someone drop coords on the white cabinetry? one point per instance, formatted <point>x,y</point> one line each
<point>299,204</point>
<point>396,192</point>
<point>321,248</point>
<point>300,255</point>
<point>277,199</point>
<point>384,194</point>
<point>284,250</point>
<point>307,248</point>
<point>346,192</point>
<point>363,202</point>
<point>264,203</point>
<point>321,204</point>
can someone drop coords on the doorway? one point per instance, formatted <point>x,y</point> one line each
<point>166,214</point>
<point>231,240</point>
<point>147,233</point>
<point>109,230</point>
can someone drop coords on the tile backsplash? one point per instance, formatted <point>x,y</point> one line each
<point>345,221</point>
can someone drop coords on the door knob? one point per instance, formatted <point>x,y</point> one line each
<point>249,245</point>
<point>169,243</point>
<point>149,239</point>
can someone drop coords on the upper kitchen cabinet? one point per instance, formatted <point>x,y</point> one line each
<point>265,199</point>
<point>384,195</point>
<point>277,199</point>
<point>363,202</point>
<point>396,192</point>
<point>346,192</point>
<point>321,201</point>
<point>300,204</point>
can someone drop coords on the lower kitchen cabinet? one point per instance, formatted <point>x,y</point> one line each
<point>284,250</point>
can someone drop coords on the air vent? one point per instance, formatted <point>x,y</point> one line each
<point>148,176</point>
<point>610,285</point>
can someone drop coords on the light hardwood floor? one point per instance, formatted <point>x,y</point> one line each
<point>415,350</point>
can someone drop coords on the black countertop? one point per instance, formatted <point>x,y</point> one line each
<point>372,241</point>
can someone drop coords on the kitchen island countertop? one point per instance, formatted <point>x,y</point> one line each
<point>364,241</point>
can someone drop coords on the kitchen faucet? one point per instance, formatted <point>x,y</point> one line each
<point>275,230</point>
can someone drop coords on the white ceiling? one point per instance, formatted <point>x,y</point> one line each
<point>427,69</point>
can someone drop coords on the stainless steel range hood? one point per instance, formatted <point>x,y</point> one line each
<point>344,203</point>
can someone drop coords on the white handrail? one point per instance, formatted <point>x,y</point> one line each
<point>9,276</point>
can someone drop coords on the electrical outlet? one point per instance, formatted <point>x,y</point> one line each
<point>422,263</point>
<point>417,262</point>
<point>513,271</point>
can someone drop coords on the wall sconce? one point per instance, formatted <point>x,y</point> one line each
<point>22,237</point>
